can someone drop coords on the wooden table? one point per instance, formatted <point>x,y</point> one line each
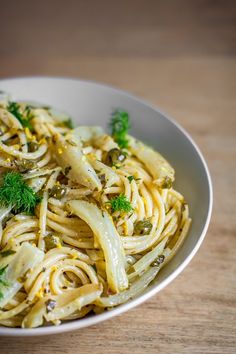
<point>181,57</point>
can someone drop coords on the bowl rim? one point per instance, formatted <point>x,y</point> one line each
<point>89,321</point>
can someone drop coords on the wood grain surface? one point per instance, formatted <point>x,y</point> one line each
<point>180,56</point>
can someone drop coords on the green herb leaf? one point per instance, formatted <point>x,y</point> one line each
<point>130,178</point>
<point>120,203</point>
<point>68,123</point>
<point>119,127</point>
<point>16,193</point>
<point>2,276</point>
<point>14,109</point>
<point>7,253</point>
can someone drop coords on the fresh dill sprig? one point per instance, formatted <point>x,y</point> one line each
<point>14,192</point>
<point>120,125</point>
<point>120,203</point>
<point>14,109</point>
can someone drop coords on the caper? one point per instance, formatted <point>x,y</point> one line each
<point>51,241</point>
<point>143,227</point>
<point>167,183</point>
<point>50,305</point>
<point>102,178</point>
<point>58,192</point>
<point>160,259</point>
<point>115,156</point>
<point>25,165</point>
<point>33,146</point>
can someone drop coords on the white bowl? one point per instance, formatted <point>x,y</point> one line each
<point>92,103</point>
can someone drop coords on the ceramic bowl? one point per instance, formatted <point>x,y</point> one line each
<point>90,103</point>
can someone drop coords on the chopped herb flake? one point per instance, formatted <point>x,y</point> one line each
<point>2,276</point>
<point>130,178</point>
<point>7,253</point>
<point>67,170</point>
<point>68,123</point>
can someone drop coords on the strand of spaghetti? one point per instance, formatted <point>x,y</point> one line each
<point>148,202</point>
<point>13,312</point>
<point>37,173</point>
<point>153,238</point>
<point>10,150</point>
<point>17,228</point>
<point>51,258</point>
<point>171,213</point>
<point>72,222</point>
<point>56,202</point>
<point>112,190</point>
<point>80,313</point>
<point>85,295</point>
<point>43,220</point>
<point>140,209</point>
<point>78,192</point>
<point>79,243</point>
<point>53,178</point>
<point>57,210</point>
<point>88,270</point>
<point>45,160</point>
<point>28,236</point>
<point>180,240</point>
<point>55,278</point>
<point>12,322</point>
<point>62,229</point>
<point>13,123</point>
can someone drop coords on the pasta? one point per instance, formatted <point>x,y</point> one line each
<point>87,219</point>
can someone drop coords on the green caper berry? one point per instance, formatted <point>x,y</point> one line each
<point>115,156</point>
<point>33,146</point>
<point>25,165</point>
<point>167,183</point>
<point>143,227</point>
<point>58,192</point>
<point>160,259</point>
<point>50,305</point>
<point>51,241</point>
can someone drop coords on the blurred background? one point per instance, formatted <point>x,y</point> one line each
<point>181,56</point>
<point>174,53</point>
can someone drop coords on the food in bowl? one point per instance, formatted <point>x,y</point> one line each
<point>88,219</point>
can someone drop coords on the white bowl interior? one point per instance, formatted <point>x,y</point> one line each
<point>91,104</point>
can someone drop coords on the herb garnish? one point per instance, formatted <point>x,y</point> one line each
<point>7,253</point>
<point>132,178</point>
<point>14,109</point>
<point>16,193</point>
<point>120,203</point>
<point>119,127</point>
<point>2,276</point>
<point>68,123</point>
